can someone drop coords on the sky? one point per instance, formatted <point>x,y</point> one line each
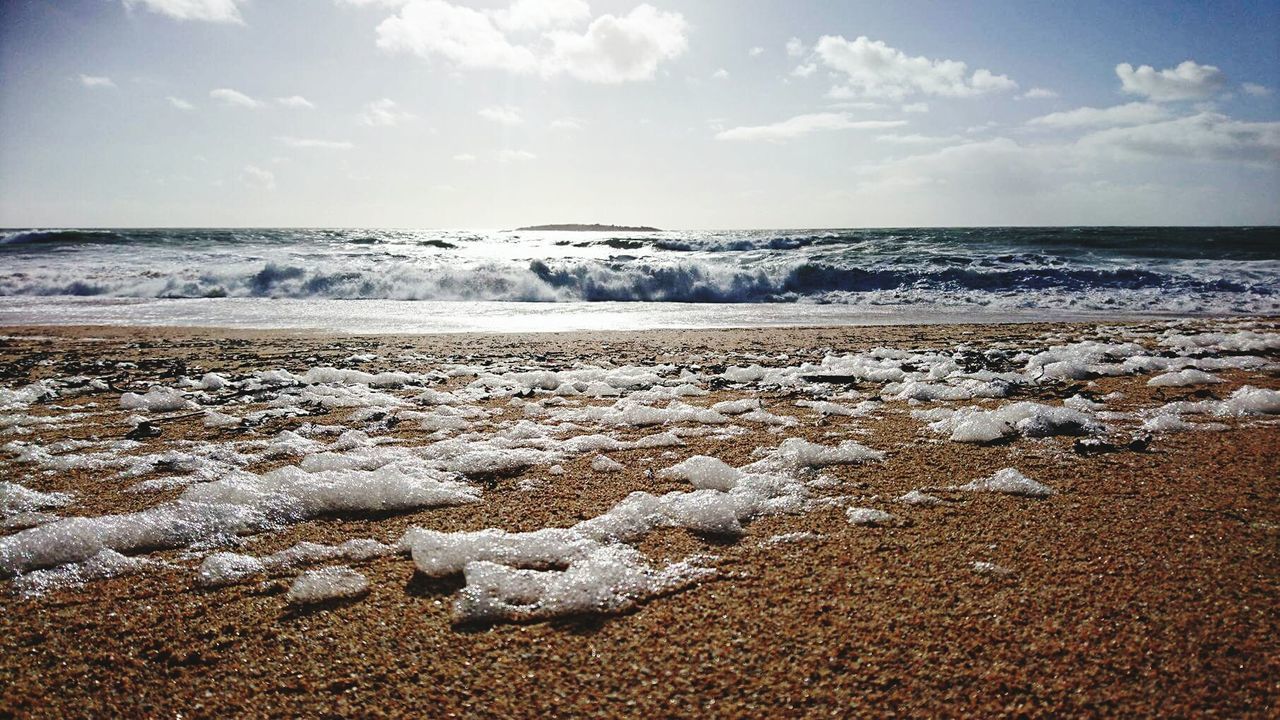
<point>675,113</point>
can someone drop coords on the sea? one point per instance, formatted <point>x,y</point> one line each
<point>427,281</point>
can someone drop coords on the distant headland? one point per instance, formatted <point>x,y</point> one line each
<point>579,227</point>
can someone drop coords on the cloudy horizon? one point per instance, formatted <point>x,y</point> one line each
<point>433,113</point>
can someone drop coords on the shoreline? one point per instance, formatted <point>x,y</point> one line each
<point>417,317</point>
<point>1146,584</point>
<point>943,326</point>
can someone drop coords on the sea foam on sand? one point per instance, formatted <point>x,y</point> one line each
<point>470,423</point>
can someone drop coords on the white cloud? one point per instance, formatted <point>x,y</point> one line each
<point>296,101</point>
<point>874,69</point>
<point>997,166</point>
<point>383,113</point>
<point>233,97</point>
<point>312,143</point>
<point>465,157</point>
<point>1038,93</point>
<point>756,51</point>
<point>257,178</point>
<point>805,70</point>
<point>920,139</point>
<point>223,11</point>
<point>503,115</point>
<point>1204,136</point>
<point>179,103</point>
<point>720,74</point>
<point>619,49</point>
<point>1255,89</point>
<point>515,156</point>
<point>567,123</point>
<point>859,105</point>
<point>468,38</point>
<point>1001,182</point>
<point>533,37</point>
<point>919,107</point>
<point>1187,81</point>
<point>97,81</point>
<point>541,14</point>
<point>803,125</point>
<point>796,48</point>
<point>1136,113</point>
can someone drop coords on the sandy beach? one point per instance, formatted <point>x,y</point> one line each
<point>1142,582</point>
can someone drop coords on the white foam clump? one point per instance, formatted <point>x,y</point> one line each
<point>16,498</point>
<point>703,471</point>
<point>1183,378</point>
<point>1009,482</point>
<point>587,567</point>
<point>1081,360</point>
<point>1030,419</point>
<point>336,396</point>
<point>602,463</point>
<point>738,374</point>
<point>764,417</point>
<point>157,399</point>
<point>479,457</point>
<point>227,568</point>
<point>610,579</point>
<point>1242,341</point>
<point>1245,401</point>
<point>331,583</point>
<point>18,398</point>
<point>437,397</point>
<point>357,377</point>
<point>965,390</point>
<point>796,453</point>
<point>736,407</point>
<point>919,498</point>
<point>102,565</point>
<point>823,407</point>
<point>626,413</point>
<point>213,381</point>
<point>869,516</point>
<point>218,420</point>
<point>1175,423</point>
<point>1083,404</point>
<point>1249,400</point>
<point>238,505</point>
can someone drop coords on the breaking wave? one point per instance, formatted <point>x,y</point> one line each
<point>1217,270</point>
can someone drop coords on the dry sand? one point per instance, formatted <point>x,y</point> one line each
<point>1147,586</point>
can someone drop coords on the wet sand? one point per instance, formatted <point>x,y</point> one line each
<point>1146,586</point>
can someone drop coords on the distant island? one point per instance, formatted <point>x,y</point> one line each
<point>577,227</point>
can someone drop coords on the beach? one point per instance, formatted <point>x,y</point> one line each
<point>1127,565</point>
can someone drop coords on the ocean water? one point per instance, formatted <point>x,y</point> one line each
<point>445,280</point>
